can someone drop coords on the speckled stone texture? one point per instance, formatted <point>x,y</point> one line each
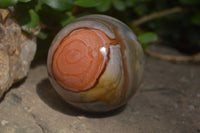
<point>16,51</point>
<point>168,101</point>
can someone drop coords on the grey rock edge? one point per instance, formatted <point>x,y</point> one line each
<point>168,101</point>
<point>17,50</point>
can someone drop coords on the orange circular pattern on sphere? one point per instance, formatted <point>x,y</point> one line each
<point>80,59</point>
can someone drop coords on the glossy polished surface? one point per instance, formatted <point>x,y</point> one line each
<point>95,63</point>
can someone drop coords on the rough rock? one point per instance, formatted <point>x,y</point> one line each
<point>16,51</point>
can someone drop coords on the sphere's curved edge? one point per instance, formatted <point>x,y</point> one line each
<point>131,57</point>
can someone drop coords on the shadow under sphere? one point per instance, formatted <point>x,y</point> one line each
<point>47,93</point>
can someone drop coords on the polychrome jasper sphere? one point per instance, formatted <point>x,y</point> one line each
<point>95,63</point>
